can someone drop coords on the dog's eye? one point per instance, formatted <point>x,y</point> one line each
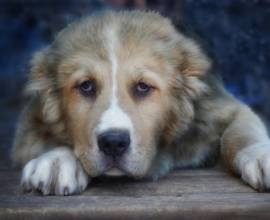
<point>142,89</point>
<point>88,88</point>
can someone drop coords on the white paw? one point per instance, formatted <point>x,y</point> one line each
<point>55,172</point>
<point>253,164</point>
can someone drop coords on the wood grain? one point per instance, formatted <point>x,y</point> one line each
<point>184,194</point>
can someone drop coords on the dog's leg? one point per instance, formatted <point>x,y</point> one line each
<point>245,147</point>
<point>55,172</point>
<point>28,141</point>
<point>48,168</point>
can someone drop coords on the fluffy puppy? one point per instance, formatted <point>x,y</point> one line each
<point>124,93</point>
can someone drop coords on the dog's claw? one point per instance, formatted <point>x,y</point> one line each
<point>26,188</point>
<point>41,185</point>
<point>66,191</point>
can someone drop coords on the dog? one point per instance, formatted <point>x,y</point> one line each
<point>125,93</point>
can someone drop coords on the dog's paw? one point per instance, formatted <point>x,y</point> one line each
<point>56,172</point>
<point>253,164</point>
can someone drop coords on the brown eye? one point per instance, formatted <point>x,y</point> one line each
<point>87,88</point>
<point>142,89</point>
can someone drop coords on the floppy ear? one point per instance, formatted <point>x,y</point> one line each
<point>41,84</point>
<point>192,65</point>
<point>193,60</point>
<point>187,85</point>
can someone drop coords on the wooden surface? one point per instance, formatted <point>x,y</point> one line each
<point>184,194</point>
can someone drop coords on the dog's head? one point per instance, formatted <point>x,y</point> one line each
<point>122,84</point>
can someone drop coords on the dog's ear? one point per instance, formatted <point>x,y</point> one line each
<point>193,61</point>
<point>41,84</point>
<point>187,85</point>
<point>192,65</point>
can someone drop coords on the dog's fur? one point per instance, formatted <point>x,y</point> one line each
<point>187,120</point>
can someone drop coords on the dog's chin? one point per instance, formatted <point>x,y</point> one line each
<point>118,172</point>
<point>125,168</point>
<point>114,172</point>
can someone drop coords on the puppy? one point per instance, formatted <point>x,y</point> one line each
<point>124,93</point>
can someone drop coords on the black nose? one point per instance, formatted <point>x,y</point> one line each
<point>114,142</point>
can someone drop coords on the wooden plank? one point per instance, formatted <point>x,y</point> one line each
<point>182,181</point>
<point>188,206</point>
<point>184,194</point>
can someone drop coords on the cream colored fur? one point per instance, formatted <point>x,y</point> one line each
<point>188,119</point>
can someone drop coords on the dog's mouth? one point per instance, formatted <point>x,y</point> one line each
<point>114,167</point>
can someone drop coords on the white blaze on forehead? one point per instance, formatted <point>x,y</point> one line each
<point>114,117</point>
